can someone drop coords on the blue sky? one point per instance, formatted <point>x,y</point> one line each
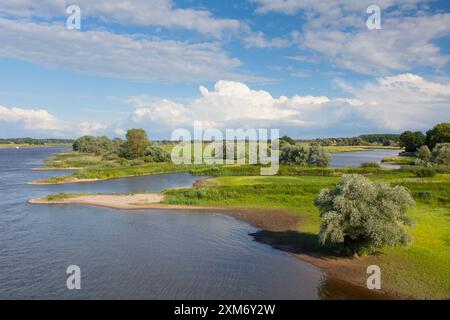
<point>309,68</point>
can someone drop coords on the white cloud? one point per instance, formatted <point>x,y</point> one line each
<point>161,13</point>
<point>390,104</point>
<point>41,121</point>
<point>337,30</point>
<point>113,55</point>
<point>88,128</point>
<point>402,102</point>
<point>31,119</point>
<point>258,40</point>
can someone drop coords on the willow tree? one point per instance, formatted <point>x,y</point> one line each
<point>360,216</point>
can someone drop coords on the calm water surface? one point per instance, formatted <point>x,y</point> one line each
<point>135,254</point>
<point>355,159</point>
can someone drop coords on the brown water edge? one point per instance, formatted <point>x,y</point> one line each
<point>346,276</point>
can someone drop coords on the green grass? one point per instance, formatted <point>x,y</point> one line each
<point>400,160</point>
<point>421,270</point>
<point>61,196</point>
<point>341,149</point>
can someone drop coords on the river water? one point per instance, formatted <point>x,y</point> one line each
<point>355,159</point>
<point>135,254</point>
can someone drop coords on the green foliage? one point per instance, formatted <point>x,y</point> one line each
<point>384,139</point>
<point>95,145</point>
<point>287,139</point>
<point>370,165</point>
<point>361,216</point>
<point>424,172</point>
<point>424,153</point>
<point>156,154</point>
<point>135,145</point>
<point>441,154</point>
<point>296,154</point>
<point>318,156</point>
<point>439,134</point>
<point>300,155</point>
<point>411,141</point>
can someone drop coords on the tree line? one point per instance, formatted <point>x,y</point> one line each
<point>136,145</point>
<point>35,141</point>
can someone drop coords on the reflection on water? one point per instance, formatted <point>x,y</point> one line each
<point>355,159</point>
<point>134,255</point>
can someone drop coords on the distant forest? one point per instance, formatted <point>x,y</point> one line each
<point>35,141</point>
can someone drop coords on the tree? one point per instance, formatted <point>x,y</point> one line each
<point>156,154</point>
<point>318,156</point>
<point>294,155</point>
<point>89,144</point>
<point>136,143</point>
<point>439,134</point>
<point>441,154</point>
<point>287,139</point>
<point>412,140</point>
<point>360,216</point>
<point>424,154</point>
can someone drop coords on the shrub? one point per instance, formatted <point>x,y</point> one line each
<point>370,165</point>
<point>318,156</point>
<point>424,172</point>
<point>441,154</point>
<point>423,153</point>
<point>360,216</point>
<point>156,154</point>
<point>294,155</point>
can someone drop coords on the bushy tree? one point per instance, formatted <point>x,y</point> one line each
<point>439,134</point>
<point>89,144</point>
<point>360,216</point>
<point>156,154</point>
<point>423,153</point>
<point>411,141</point>
<point>287,139</point>
<point>136,143</point>
<point>318,156</point>
<point>441,154</point>
<point>294,155</point>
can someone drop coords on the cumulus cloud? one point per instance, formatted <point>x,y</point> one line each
<point>390,104</point>
<point>113,55</point>
<point>337,30</point>
<point>40,121</point>
<point>401,102</point>
<point>161,13</point>
<point>32,119</point>
<point>234,105</point>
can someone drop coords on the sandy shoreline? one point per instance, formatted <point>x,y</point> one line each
<point>276,226</point>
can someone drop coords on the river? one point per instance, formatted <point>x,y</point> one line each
<point>135,254</point>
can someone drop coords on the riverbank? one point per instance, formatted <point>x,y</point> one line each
<point>277,227</point>
<point>22,145</point>
<point>419,271</point>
